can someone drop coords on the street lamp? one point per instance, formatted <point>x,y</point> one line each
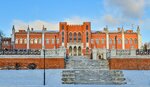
<point>44,67</point>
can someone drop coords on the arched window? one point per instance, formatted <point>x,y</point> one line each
<point>25,41</point>
<point>87,50</point>
<point>126,41</point>
<point>70,37</point>
<point>87,38</point>
<point>114,41</point>
<point>16,41</point>
<point>62,27</point>
<point>92,41</point>
<point>70,50</point>
<point>87,27</point>
<point>35,41</point>
<point>47,41</point>
<point>31,41</point>
<point>39,41</point>
<point>130,40</point>
<point>135,41</point>
<point>53,41</point>
<point>97,41</point>
<point>21,41</point>
<point>63,37</point>
<point>103,41</point>
<point>79,37</point>
<point>119,41</point>
<point>57,41</point>
<point>75,37</point>
<point>110,41</point>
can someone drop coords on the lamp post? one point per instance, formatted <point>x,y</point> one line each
<point>44,67</point>
<point>116,42</point>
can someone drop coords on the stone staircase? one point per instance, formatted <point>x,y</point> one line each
<point>81,70</point>
<point>80,62</point>
<point>102,77</point>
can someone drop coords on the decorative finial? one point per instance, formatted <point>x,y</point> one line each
<point>28,29</point>
<point>43,27</point>
<point>138,29</point>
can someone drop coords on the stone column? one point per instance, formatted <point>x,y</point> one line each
<point>94,52</point>
<point>133,52</point>
<point>13,37</point>
<point>28,38</point>
<point>107,40</point>
<point>139,38</point>
<point>123,44</point>
<point>113,52</point>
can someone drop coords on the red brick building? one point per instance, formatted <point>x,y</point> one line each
<point>77,39</point>
<point>6,43</point>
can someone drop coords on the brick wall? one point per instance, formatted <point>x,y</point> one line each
<point>130,63</point>
<point>50,63</point>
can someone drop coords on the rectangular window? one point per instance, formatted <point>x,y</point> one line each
<point>53,41</point>
<point>57,41</point>
<point>31,41</point>
<point>35,41</point>
<point>21,41</point>
<point>25,41</point>
<point>39,41</point>
<point>97,41</point>
<point>47,41</point>
<point>103,41</point>
<point>62,39</point>
<point>92,41</point>
<point>16,41</point>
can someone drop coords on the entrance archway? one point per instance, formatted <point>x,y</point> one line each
<point>75,50</point>
<point>79,51</point>
<point>70,51</point>
<point>87,51</point>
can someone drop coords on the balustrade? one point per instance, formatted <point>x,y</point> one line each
<point>143,52</point>
<point>20,52</point>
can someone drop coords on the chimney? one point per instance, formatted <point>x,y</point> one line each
<point>31,29</point>
<point>119,29</point>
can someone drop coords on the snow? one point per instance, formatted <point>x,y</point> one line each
<point>34,78</point>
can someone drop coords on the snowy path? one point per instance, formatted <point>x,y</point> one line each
<point>34,78</point>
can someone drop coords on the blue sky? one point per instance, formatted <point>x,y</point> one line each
<point>114,13</point>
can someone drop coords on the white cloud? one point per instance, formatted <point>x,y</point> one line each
<point>125,12</point>
<point>127,8</point>
<point>38,24</point>
<point>76,20</point>
<point>110,19</point>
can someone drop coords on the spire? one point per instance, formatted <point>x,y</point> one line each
<point>122,29</point>
<point>106,29</point>
<point>138,29</point>
<point>28,29</point>
<point>13,27</point>
<point>106,26</point>
<point>43,27</point>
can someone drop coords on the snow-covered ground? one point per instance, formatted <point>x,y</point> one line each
<point>34,78</point>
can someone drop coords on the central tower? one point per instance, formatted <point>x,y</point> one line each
<point>76,38</point>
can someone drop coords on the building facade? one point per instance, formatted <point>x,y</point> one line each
<point>77,39</point>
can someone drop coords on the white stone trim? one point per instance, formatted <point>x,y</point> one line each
<point>107,40</point>
<point>28,36</point>
<point>123,44</point>
<point>43,39</point>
